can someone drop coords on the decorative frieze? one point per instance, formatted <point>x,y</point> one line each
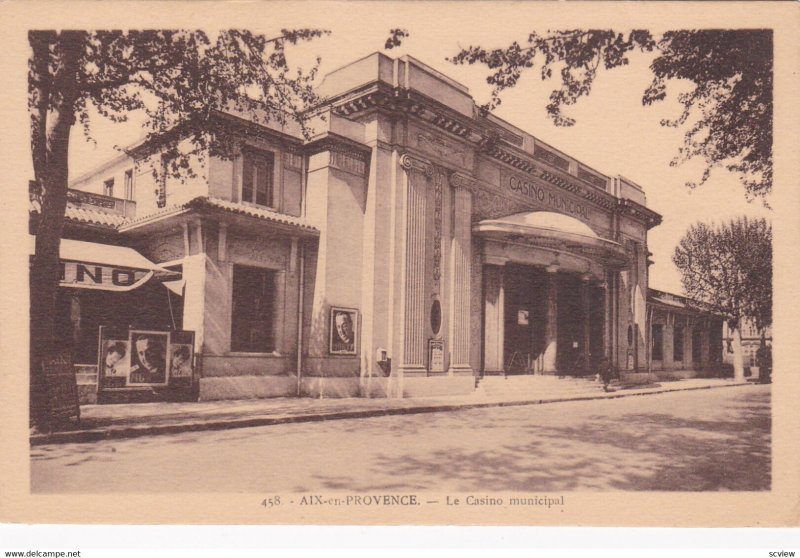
<point>270,254</point>
<point>493,150</point>
<point>347,161</point>
<point>488,205</point>
<point>442,148</point>
<point>438,184</point>
<point>550,158</point>
<point>591,178</point>
<point>561,182</point>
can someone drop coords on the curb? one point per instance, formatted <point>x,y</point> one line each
<point>98,434</point>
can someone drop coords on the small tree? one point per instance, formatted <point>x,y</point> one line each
<point>178,79</point>
<point>730,70</point>
<point>729,268</point>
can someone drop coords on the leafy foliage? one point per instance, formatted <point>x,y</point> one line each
<point>395,39</point>
<point>729,267</point>
<point>180,80</point>
<point>731,71</point>
<point>174,77</point>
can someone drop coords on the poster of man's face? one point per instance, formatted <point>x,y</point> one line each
<point>148,358</point>
<point>343,331</point>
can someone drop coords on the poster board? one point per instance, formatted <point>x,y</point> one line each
<point>157,362</point>
<point>61,388</point>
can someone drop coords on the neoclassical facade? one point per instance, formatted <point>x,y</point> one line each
<point>410,246</point>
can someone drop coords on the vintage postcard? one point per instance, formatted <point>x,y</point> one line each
<point>400,263</point>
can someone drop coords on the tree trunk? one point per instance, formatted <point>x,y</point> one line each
<point>738,365</point>
<point>45,274</point>
<point>52,117</point>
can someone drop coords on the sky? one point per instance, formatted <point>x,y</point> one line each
<point>614,133</point>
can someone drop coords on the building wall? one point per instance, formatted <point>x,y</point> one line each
<point>687,320</point>
<point>214,176</point>
<point>225,175</point>
<point>336,206</point>
<point>394,195</point>
<point>94,181</point>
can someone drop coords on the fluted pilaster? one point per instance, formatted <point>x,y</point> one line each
<point>460,281</point>
<point>418,173</point>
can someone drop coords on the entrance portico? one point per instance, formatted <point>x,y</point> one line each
<point>546,309</point>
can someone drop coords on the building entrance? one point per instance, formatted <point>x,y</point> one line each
<point>525,319</point>
<point>553,322</point>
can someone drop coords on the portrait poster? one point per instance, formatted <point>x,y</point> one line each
<point>113,358</point>
<point>343,331</point>
<point>148,358</point>
<point>408,191</point>
<point>181,358</point>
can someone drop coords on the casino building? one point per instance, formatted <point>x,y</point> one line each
<point>410,246</point>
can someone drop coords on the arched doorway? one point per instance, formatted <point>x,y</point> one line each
<point>546,307</point>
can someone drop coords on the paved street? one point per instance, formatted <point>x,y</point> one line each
<point>716,439</point>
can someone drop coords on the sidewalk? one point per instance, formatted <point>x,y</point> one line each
<point>100,422</point>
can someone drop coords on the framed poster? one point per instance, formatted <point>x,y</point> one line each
<point>343,331</point>
<point>435,355</point>
<point>148,358</point>
<point>113,358</point>
<point>181,358</point>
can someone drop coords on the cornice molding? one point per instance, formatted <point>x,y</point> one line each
<point>492,141</point>
<point>339,144</point>
<point>638,212</point>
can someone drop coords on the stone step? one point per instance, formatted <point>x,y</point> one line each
<point>550,386</point>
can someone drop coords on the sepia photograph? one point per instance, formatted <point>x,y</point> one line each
<point>377,268</point>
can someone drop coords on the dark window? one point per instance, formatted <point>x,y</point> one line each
<point>129,193</point>
<point>677,344</point>
<point>658,342</point>
<point>257,177</point>
<point>108,187</point>
<point>253,310</point>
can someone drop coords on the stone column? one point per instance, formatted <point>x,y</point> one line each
<point>194,273</point>
<point>279,312</point>
<point>494,319</point>
<point>688,344</point>
<point>613,313</point>
<point>606,319</point>
<point>418,173</point>
<point>551,325</point>
<point>705,345</point>
<point>669,339</point>
<point>586,307</point>
<point>460,287</point>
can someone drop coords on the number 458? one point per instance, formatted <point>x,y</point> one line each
<point>271,502</point>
